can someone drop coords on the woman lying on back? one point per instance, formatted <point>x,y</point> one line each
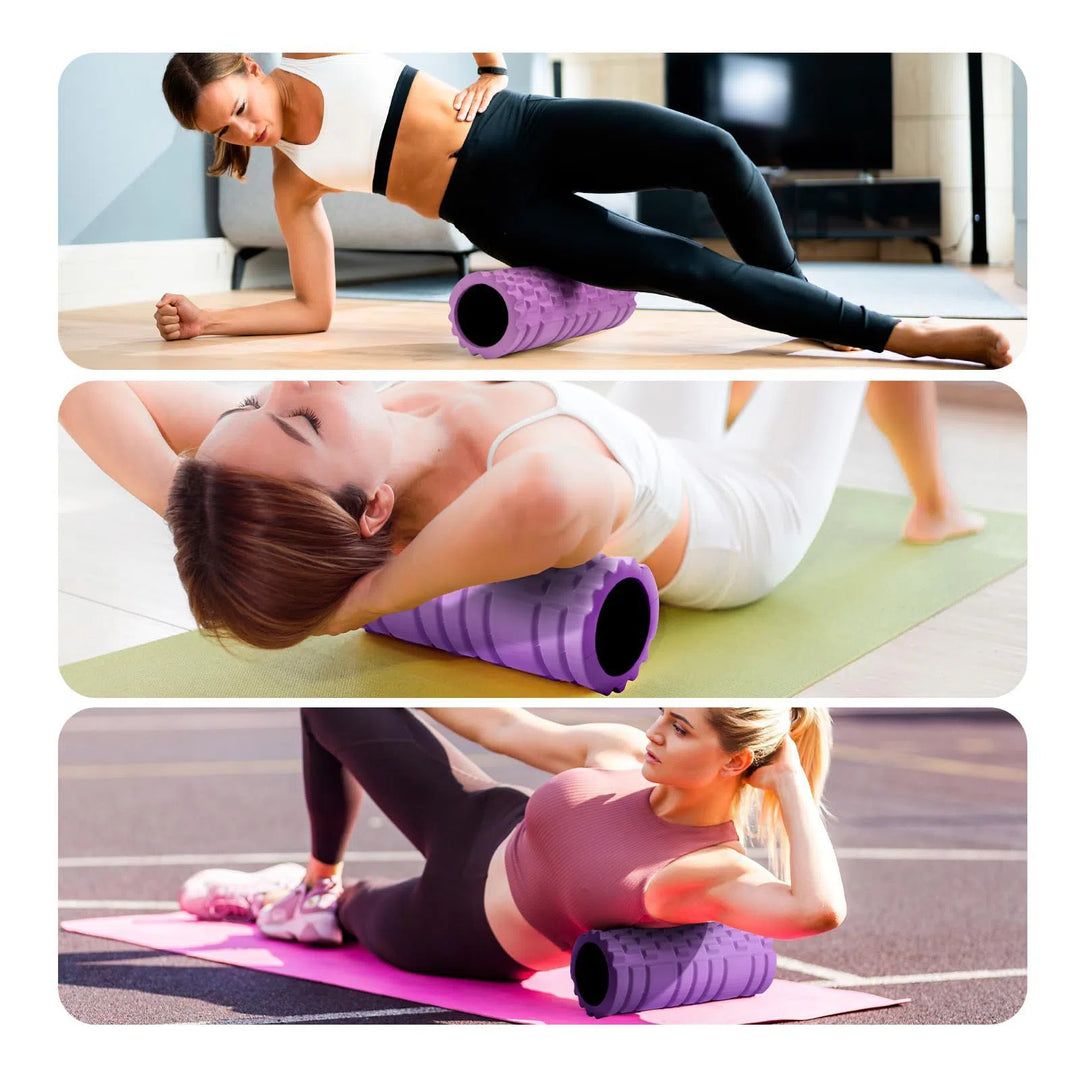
<point>310,508</point>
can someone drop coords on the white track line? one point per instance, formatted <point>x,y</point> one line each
<point>935,854</point>
<point>119,905</point>
<point>368,1014</point>
<point>929,977</point>
<point>180,768</point>
<point>823,976</point>
<point>786,963</point>
<point>267,858</point>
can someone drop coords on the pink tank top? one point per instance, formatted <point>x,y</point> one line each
<point>586,849</point>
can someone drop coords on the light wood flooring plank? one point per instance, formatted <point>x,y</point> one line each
<point>415,336</point>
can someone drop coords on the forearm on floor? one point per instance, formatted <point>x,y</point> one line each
<point>292,316</point>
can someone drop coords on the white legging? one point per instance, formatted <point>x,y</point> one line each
<point>759,491</point>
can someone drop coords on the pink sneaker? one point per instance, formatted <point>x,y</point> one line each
<point>233,895</point>
<point>307,914</point>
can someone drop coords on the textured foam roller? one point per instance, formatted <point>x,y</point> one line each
<point>497,312</point>
<point>589,624</point>
<point>636,968</point>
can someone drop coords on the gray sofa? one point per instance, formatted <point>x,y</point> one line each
<point>367,223</point>
<point>359,222</point>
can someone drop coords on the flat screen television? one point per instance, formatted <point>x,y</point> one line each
<point>817,111</point>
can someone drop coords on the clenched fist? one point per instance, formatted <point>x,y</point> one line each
<point>177,318</point>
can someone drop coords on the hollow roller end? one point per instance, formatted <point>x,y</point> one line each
<point>619,626</point>
<point>494,313</point>
<point>589,624</point>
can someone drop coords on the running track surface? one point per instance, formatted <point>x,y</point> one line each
<point>929,822</point>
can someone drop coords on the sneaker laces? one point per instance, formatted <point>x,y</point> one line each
<point>323,894</point>
<point>233,906</point>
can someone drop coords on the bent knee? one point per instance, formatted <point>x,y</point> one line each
<point>730,162</point>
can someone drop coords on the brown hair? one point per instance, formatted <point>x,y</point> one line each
<point>267,561</point>
<point>761,731</point>
<point>186,76</point>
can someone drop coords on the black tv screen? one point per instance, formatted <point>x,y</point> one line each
<point>792,110</point>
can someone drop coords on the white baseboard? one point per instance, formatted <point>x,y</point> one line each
<point>98,275</point>
<point>140,271</point>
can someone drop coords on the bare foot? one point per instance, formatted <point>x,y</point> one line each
<point>932,526</point>
<point>948,341</point>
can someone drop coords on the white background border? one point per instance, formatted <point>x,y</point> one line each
<point>43,1036</point>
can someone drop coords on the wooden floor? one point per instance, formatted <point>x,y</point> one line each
<point>414,336</point>
<point>118,586</point>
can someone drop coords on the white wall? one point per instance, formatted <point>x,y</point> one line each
<point>932,138</point>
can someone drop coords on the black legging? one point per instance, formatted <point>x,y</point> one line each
<point>512,193</point>
<point>448,808</point>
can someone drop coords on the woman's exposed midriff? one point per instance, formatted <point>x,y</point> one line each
<point>427,138</point>
<point>518,938</point>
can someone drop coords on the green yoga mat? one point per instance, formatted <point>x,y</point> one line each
<point>858,587</point>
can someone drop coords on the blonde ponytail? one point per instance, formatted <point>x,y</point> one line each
<point>761,731</point>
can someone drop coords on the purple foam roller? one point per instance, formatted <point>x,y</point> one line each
<point>589,624</point>
<point>636,968</point>
<point>497,312</point>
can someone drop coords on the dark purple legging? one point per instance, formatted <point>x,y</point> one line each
<point>450,810</point>
<point>513,193</point>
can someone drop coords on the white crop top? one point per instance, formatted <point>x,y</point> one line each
<point>653,464</point>
<point>363,98</point>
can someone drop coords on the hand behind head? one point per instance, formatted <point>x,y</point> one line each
<point>784,759</point>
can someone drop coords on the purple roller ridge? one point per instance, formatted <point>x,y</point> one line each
<point>497,312</point>
<point>590,624</point>
<point>636,968</point>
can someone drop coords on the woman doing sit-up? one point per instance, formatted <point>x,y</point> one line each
<point>317,507</point>
<point>505,169</point>
<point>635,829</point>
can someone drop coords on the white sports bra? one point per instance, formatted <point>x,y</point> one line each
<point>363,98</point>
<point>650,461</point>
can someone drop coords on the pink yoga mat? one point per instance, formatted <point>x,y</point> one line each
<point>545,998</point>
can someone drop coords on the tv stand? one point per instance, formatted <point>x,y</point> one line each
<point>862,208</point>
